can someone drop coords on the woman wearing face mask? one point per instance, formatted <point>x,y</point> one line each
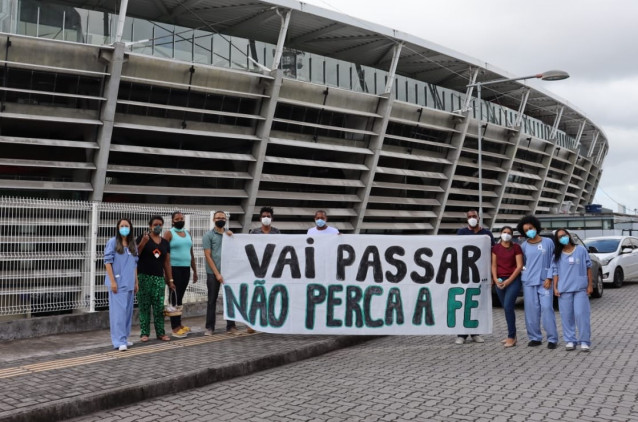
<point>182,260</point>
<point>265,216</point>
<point>537,284</point>
<point>573,285</point>
<point>154,271</point>
<point>507,264</point>
<point>120,261</point>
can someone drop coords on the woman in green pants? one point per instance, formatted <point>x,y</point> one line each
<point>153,273</point>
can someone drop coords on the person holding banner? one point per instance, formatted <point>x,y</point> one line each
<point>573,285</point>
<point>473,228</point>
<point>321,226</point>
<point>507,264</point>
<point>212,243</point>
<point>265,216</point>
<point>537,283</point>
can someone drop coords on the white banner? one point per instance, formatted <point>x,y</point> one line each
<point>358,284</point>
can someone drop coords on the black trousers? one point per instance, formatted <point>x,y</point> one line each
<point>211,309</point>
<point>181,277</point>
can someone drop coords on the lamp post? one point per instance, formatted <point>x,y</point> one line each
<point>550,75</point>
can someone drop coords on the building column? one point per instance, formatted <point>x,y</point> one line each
<point>547,162</point>
<point>262,131</point>
<point>107,116</point>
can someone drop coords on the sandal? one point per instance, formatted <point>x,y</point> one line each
<point>164,338</point>
<point>144,339</point>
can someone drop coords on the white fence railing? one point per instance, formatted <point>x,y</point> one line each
<point>51,252</point>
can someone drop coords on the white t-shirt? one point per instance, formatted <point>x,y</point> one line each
<point>327,230</point>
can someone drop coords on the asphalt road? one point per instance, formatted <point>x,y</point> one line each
<point>429,378</point>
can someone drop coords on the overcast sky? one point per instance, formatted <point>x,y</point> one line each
<point>595,41</point>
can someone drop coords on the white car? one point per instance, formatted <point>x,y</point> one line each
<point>618,255</point>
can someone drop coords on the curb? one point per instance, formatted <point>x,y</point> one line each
<point>134,393</point>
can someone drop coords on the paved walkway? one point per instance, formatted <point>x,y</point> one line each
<point>59,377</point>
<point>391,378</point>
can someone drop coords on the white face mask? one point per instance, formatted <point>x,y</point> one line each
<point>472,222</point>
<point>506,237</point>
<point>266,221</point>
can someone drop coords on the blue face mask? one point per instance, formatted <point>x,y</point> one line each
<point>564,240</point>
<point>125,230</point>
<point>320,222</point>
<point>531,233</point>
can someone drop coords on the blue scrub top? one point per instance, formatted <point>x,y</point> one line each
<point>538,259</point>
<point>571,270</point>
<point>124,266</point>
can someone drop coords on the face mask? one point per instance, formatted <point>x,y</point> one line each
<point>220,223</point>
<point>564,240</point>
<point>472,222</point>
<point>320,222</point>
<point>266,221</point>
<point>531,233</point>
<point>506,237</point>
<point>179,225</point>
<point>157,229</point>
<point>125,230</point>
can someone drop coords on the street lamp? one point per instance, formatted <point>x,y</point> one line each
<point>550,75</point>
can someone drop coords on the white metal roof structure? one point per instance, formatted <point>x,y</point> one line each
<point>237,104</point>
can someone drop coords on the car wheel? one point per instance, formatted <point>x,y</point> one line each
<point>618,277</point>
<point>598,285</point>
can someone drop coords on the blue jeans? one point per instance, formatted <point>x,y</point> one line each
<point>508,296</point>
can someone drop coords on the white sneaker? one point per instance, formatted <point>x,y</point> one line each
<point>208,332</point>
<point>570,346</point>
<point>129,343</point>
<point>123,348</point>
<point>584,348</point>
<point>459,340</point>
<point>478,339</point>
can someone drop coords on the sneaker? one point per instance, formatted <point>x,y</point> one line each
<point>478,339</point>
<point>459,340</point>
<point>250,330</point>
<point>129,343</point>
<point>534,343</point>
<point>570,346</point>
<point>233,331</point>
<point>179,333</point>
<point>551,345</point>
<point>584,348</point>
<point>208,332</point>
<point>122,348</point>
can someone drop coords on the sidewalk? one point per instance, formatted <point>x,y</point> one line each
<point>68,375</point>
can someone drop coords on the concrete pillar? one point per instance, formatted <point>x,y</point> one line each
<point>259,148</point>
<point>107,116</point>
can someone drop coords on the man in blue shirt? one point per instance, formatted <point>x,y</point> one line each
<point>473,228</point>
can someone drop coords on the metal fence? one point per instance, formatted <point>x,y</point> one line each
<point>51,252</point>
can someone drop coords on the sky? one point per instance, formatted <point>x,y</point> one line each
<point>593,40</point>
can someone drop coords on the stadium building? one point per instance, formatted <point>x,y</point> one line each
<point>233,105</point>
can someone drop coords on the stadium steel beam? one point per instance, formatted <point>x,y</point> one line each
<point>547,162</point>
<point>107,113</point>
<point>510,151</point>
<point>379,127</point>
<point>279,51</point>
<point>264,127</point>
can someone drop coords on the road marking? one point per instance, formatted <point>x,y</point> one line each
<point>115,354</point>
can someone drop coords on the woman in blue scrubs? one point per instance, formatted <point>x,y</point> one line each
<point>573,285</point>
<point>120,260</point>
<point>538,295</point>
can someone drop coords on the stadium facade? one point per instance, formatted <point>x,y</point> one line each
<point>233,105</point>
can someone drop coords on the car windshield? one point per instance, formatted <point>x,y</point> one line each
<point>603,245</point>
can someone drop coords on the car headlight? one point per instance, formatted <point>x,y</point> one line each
<point>607,260</point>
